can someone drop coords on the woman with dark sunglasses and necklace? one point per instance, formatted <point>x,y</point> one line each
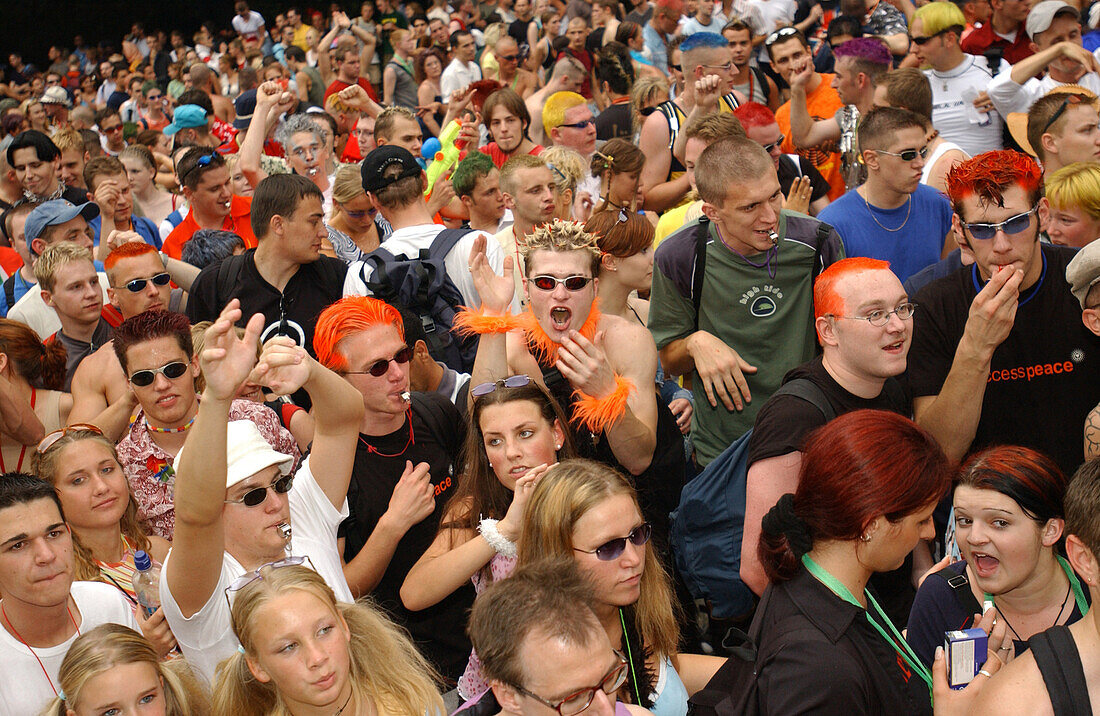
<point>515,432</point>
<point>352,231</point>
<point>83,468</point>
<point>588,511</point>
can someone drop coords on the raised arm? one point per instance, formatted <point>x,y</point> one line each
<point>199,540</point>
<point>806,132</point>
<point>286,367</point>
<point>269,97</point>
<point>659,193</point>
<point>324,63</point>
<point>496,292</point>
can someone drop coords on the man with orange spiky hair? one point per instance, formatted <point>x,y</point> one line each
<point>404,471</point>
<point>1000,354</point>
<point>139,282</point>
<point>863,319</point>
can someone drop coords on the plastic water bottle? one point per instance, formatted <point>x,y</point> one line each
<point>146,583</point>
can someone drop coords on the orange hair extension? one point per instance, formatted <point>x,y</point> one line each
<point>127,251</point>
<point>477,322</point>
<point>599,414</point>
<point>988,175</point>
<point>826,299</point>
<point>350,314</point>
<point>544,348</point>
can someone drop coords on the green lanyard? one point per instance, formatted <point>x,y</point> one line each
<point>896,641</point>
<point>1074,584</point>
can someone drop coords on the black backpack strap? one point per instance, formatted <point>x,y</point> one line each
<point>810,392</point>
<point>1059,664</point>
<point>823,231</point>
<point>444,241</point>
<point>763,80</point>
<point>9,290</point>
<point>698,273</point>
<point>229,272</point>
<point>960,585</point>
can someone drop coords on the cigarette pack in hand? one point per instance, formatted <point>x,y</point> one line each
<point>966,652</point>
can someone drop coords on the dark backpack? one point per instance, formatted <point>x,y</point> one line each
<point>709,522</point>
<point>421,285</point>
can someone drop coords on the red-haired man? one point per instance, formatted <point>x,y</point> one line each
<point>403,474</point>
<point>863,319</point>
<point>1000,354</point>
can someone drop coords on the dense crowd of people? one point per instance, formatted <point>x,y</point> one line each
<point>518,356</point>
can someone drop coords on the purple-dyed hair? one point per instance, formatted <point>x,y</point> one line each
<point>866,49</point>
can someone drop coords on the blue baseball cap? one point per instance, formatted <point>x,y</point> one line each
<point>244,106</point>
<point>187,116</point>
<point>55,212</point>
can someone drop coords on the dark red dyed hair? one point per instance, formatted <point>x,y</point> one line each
<point>151,325</point>
<point>754,115</point>
<point>988,175</point>
<point>860,466</point>
<point>1029,477</point>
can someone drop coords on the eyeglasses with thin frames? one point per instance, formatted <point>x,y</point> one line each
<point>249,577</point>
<point>881,317</point>
<point>907,155</point>
<point>1011,225</point>
<point>512,381</point>
<point>578,702</point>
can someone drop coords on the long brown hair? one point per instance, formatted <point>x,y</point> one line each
<point>41,365</point>
<point>479,493</point>
<point>45,466</point>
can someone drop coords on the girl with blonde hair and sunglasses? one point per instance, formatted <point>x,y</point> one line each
<point>83,468</point>
<point>113,669</point>
<point>302,652</point>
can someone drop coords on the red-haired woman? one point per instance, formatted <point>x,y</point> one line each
<point>1009,526</point>
<point>31,401</point>
<point>869,482</point>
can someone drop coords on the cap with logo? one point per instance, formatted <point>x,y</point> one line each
<point>377,170</point>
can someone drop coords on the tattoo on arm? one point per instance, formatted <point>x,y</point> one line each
<point>1092,434</point>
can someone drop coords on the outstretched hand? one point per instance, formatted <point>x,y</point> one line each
<point>284,366</point>
<point>496,292</point>
<point>226,359</point>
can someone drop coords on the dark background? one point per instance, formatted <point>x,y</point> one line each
<point>31,26</point>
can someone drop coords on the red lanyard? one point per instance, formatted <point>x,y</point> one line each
<point>23,450</point>
<point>33,653</point>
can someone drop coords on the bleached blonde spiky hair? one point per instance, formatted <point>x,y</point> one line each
<point>560,236</point>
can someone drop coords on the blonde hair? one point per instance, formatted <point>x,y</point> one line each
<point>643,90</point>
<point>553,112</point>
<point>198,341</point>
<point>564,495</point>
<point>45,466</point>
<point>1075,185</point>
<point>559,235</point>
<point>347,185</point>
<point>111,645</point>
<point>56,256</point>
<point>567,166</point>
<point>67,139</point>
<point>386,668</point>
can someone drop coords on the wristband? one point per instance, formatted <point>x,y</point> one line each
<point>470,321</point>
<point>599,414</point>
<point>501,544</point>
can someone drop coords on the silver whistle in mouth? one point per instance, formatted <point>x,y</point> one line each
<point>285,532</point>
<point>774,237</point>
<point>406,396</point>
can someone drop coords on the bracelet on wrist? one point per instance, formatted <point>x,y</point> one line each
<point>501,544</point>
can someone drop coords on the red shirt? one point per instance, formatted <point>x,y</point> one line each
<point>500,157</point>
<point>982,38</point>
<point>10,260</point>
<point>338,85</point>
<point>238,221</point>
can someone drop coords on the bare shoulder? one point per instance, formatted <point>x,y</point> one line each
<point>92,372</point>
<point>625,337</point>
<point>1017,688</point>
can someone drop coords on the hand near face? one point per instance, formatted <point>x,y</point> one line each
<point>496,292</point>
<point>226,359</point>
<point>284,366</point>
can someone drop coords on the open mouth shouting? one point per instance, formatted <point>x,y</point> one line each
<point>560,318</point>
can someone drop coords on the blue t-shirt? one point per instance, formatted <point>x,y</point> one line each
<point>921,223</point>
<point>145,228</point>
<point>20,287</point>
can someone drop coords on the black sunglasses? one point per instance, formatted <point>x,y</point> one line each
<point>380,366</point>
<point>646,111</point>
<point>138,284</point>
<point>571,283</point>
<point>613,548</point>
<point>580,125</point>
<point>769,147</point>
<point>170,371</point>
<point>1070,99</point>
<point>257,495</point>
<point>922,41</point>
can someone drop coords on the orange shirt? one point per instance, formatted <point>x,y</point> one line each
<point>238,221</point>
<point>822,103</point>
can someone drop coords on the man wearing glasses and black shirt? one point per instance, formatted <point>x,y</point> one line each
<point>1000,354</point>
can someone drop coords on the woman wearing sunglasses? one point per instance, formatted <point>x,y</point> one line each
<point>31,401</point>
<point>515,432</point>
<point>113,670</point>
<point>304,653</point>
<point>83,468</point>
<point>823,643</point>
<point>1009,529</point>
<point>588,511</point>
<point>351,228</point>
<point>618,164</point>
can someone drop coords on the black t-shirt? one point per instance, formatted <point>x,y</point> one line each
<point>640,18</point>
<point>1044,378</point>
<point>615,121</point>
<point>313,288</point>
<point>788,172</point>
<point>782,426</point>
<point>517,30</point>
<point>594,42</point>
<point>438,431</point>
<point>785,420</point>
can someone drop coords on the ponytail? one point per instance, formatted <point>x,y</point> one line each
<point>784,538</point>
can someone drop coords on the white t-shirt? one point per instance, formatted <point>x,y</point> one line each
<point>252,28</point>
<point>33,311</point>
<point>457,75</point>
<point>766,16</point>
<point>690,26</point>
<point>206,638</point>
<point>1009,97</point>
<point>410,240</point>
<point>953,111</point>
<point>24,689</point>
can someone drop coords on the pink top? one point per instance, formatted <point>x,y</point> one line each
<point>472,682</point>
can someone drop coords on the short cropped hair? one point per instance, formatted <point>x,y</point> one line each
<point>384,123</point>
<point>988,175</point>
<point>19,488</point>
<point>553,113</point>
<point>714,126</point>
<point>1075,185</point>
<point>908,88</point>
<point>560,236</point>
<point>54,257</point>
<point>349,315</point>
<point>869,56</point>
<point>878,127</point>
<point>149,326</point>
<point>101,167</point>
<point>68,138</point>
<point>279,194</point>
<point>1043,110</point>
<point>941,16</point>
<point>1082,497</point>
<point>296,124</point>
<point>194,165</point>
<point>209,246</point>
<point>466,175</point>
<point>735,160</point>
<point>513,165</point>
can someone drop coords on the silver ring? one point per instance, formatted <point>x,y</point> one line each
<point>983,672</point>
<point>1005,648</point>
